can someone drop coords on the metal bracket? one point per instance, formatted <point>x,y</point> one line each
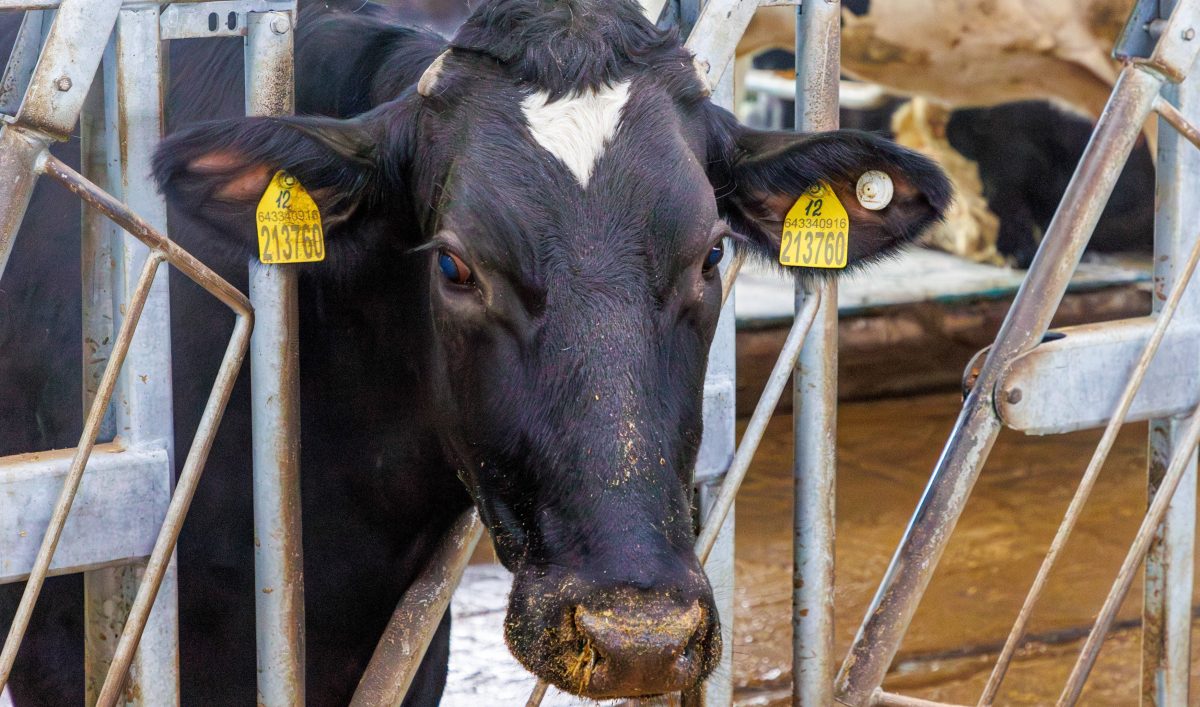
<point>1074,382</point>
<point>1168,44</point>
<point>120,506</point>
<point>225,18</point>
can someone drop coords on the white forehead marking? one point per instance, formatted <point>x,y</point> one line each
<point>577,128</point>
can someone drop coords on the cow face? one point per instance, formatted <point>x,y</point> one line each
<point>565,191</point>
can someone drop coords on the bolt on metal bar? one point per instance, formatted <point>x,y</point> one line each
<point>1141,543</point>
<point>1116,421</point>
<point>1087,483</point>
<point>275,395</point>
<point>406,638</point>
<point>975,431</point>
<point>814,396</point>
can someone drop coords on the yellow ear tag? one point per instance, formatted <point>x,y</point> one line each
<point>816,233</point>
<point>289,224</point>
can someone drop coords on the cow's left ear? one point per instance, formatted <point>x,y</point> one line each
<point>759,175</point>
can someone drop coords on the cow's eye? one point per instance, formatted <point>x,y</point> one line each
<point>454,269</point>
<point>714,257</point>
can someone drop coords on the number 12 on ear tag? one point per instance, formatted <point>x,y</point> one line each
<point>816,232</point>
<point>289,223</point>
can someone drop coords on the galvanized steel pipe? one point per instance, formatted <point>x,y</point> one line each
<point>814,406</point>
<point>950,485</point>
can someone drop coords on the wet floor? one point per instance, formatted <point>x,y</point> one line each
<point>886,450</point>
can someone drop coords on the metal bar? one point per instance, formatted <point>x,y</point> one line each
<point>1088,482</point>
<point>717,31</point>
<point>20,150</point>
<point>729,277</point>
<point>975,431</point>
<point>189,478</point>
<point>1073,383</point>
<point>67,65</point>
<point>21,60</point>
<point>1167,592</point>
<point>814,409</point>
<point>160,566</point>
<point>144,411</point>
<point>91,426</point>
<point>717,448</point>
<point>122,215</point>
<point>757,427</point>
<point>538,694</point>
<point>102,531</point>
<point>1181,462</point>
<point>275,394</point>
<point>402,647</point>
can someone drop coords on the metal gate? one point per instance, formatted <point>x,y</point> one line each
<point>1094,375</point>
<point>46,93</point>
<point>50,83</point>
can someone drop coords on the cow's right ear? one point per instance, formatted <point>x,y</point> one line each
<point>217,172</point>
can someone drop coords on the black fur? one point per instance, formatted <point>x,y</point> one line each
<point>563,385</point>
<point>1026,154</point>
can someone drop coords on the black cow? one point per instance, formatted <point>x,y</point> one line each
<point>516,307</point>
<point>1027,152</point>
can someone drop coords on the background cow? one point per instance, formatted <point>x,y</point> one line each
<point>949,54</point>
<point>516,305</point>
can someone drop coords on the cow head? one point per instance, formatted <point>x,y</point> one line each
<point>565,191</point>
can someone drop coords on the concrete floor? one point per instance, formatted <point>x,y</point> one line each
<point>886,450</point>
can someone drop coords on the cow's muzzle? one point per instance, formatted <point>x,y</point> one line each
<point>612,644</point>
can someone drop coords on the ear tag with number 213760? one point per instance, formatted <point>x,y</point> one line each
<point>289,223</point>
<point>816,233</point>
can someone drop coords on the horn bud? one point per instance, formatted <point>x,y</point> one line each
<point>428,83</point>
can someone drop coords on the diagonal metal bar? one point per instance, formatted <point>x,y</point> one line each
<point>185,489</point>
<point>162,250</point>
<point>1116,421</point>
<point>406,638</point>
<point>1088,482</point>
<point>87,440</point>
<point>962,459</point>
<point>1137,551</point>
<point>781,373</point>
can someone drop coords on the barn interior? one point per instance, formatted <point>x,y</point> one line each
<point>909,330</point>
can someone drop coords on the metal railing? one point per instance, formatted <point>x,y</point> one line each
<point>50,82</point>
<point>1021,385</point>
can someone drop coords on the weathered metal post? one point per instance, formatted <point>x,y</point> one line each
<point>1167,602</point>
<point>818,62</point>
<point>275,379</point>
<point>133,77</point>
<point>977,426</point>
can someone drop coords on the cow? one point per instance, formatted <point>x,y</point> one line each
<point>950,54</point>
<point>523,231</point>
<point>1026,153</point>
